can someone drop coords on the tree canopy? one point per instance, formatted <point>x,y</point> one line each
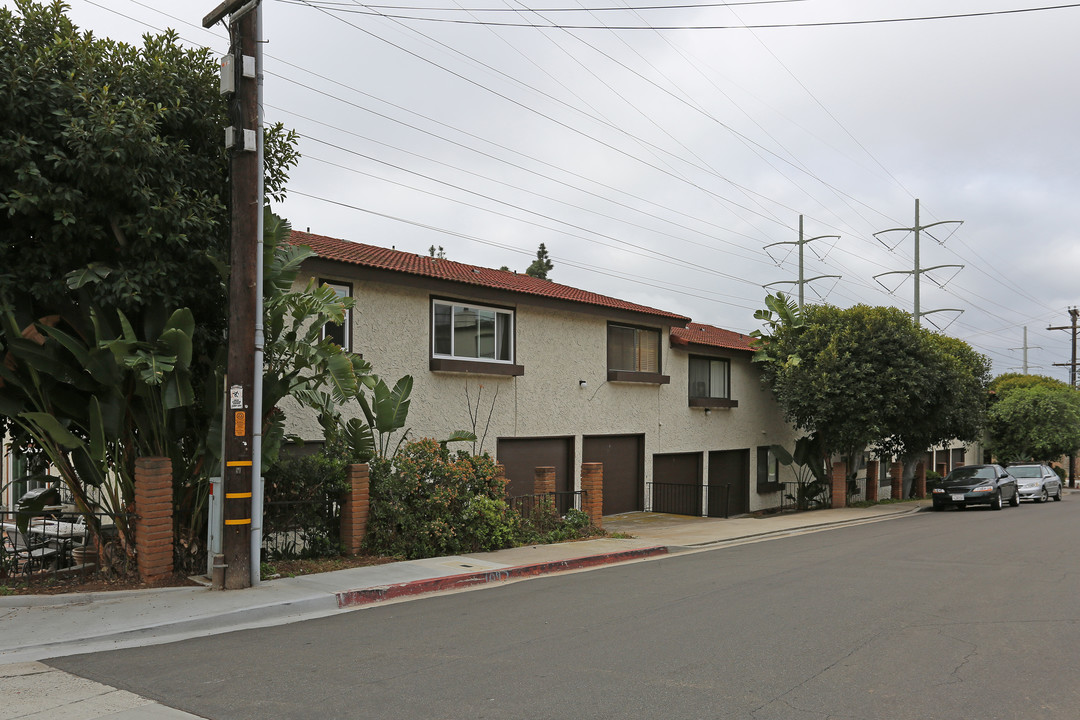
<point>865,376</point>
<point>542,265</point>
<point>1034,421</point>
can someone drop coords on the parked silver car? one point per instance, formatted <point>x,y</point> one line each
<point>1036,482</point>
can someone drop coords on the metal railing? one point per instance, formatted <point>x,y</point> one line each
<point>675,498</point>
<point>562,500</point>
<point>301,528</point>
<point>799,497</point>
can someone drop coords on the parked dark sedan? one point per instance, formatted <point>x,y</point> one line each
<point>977,485</point>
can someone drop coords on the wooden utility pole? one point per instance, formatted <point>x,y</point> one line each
<point>1073,312</point>
<point>240,374</point>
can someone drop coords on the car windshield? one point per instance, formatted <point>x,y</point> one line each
<point>969,474</point>
<point>1026,471</point>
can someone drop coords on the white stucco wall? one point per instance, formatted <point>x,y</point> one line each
<point>557,349</point>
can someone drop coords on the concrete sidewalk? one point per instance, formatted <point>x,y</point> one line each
<point>41,626</point>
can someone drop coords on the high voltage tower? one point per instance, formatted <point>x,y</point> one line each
<point>918,271</point>
<point>801,242</point>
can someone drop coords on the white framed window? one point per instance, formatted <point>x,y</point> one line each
<point>471,332</point>
<point>710,378</point>
<point>340,334</point>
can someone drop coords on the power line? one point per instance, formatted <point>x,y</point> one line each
<point>773,26</point>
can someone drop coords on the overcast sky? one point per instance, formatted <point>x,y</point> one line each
<point>657,164</point>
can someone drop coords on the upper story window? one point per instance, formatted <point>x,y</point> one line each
<point>633,349</point>
<point>710,378</point>
<point>633,355</point>
<point>340,334</point>
<point>472,332</point>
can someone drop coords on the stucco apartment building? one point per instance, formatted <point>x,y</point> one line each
<point>558,376</point>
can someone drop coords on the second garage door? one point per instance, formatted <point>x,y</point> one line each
<point>521,456</point>
<point>623,457</point>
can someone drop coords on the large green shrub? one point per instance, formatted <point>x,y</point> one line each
<point>426,502</point>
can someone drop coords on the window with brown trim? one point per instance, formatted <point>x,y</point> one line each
<point>467,332</point>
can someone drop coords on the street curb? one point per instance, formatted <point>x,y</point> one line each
<point>803,528</point>
<point>367,596</point>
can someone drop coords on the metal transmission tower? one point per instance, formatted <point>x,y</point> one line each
<point>1025,348</point>
<point>801,242</point>
<point>918,271</point>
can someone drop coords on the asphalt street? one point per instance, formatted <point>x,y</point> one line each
<point>955,614</point>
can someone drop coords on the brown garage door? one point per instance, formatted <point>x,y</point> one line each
<point>676,483</point>
<point>623,457</point>
<point>521,456</point>
<point>729,482</point>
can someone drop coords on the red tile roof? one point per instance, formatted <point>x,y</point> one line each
<point>379,258</point>
<point>710,335</point>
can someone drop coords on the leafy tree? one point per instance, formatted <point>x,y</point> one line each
<point>1040,423</point>
<point>868,375</point>
<point>113,206</point>
<point>542,265</point>
<point>439,253</point>
<point>1007,382</point>
<point>952,401</point>
<point>845,373</point>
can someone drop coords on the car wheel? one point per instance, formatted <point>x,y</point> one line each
<point>995,503</point>
<point>1057,498</point>
<point>1044,496</point>
<point>1014,501</point>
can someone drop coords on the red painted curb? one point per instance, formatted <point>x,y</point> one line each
<point>366,596</point>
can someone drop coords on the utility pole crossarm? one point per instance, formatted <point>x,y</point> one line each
<point>801,242</point>
<point>228,7</point>
<point>918,269</point>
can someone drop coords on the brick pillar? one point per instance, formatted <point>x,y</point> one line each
<point>839,484</point>
<point>544,481</point>
<point>153,521</point>
<point>942,469</point>
<point>872,481</point>
<point>354,508</point>
<point>592,485</point>
<point>896,475</point>
<point>920,479</point>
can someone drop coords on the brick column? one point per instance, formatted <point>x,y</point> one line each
<point>896,475</point>
<point>354,508</point>
<point>942,470</point>
<point>872,481</point>
<point>592,484</point>
<point>920,479</point>
<point>153,522</point>
<point>839,484</point>
<point>544,481</point>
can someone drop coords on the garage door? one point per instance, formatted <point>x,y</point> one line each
<point>729,482</point>
<point>521,456</point>
<point>676,483</point>
<point>623,457</point>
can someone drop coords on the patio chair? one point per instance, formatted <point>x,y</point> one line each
<point>28,555</point>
